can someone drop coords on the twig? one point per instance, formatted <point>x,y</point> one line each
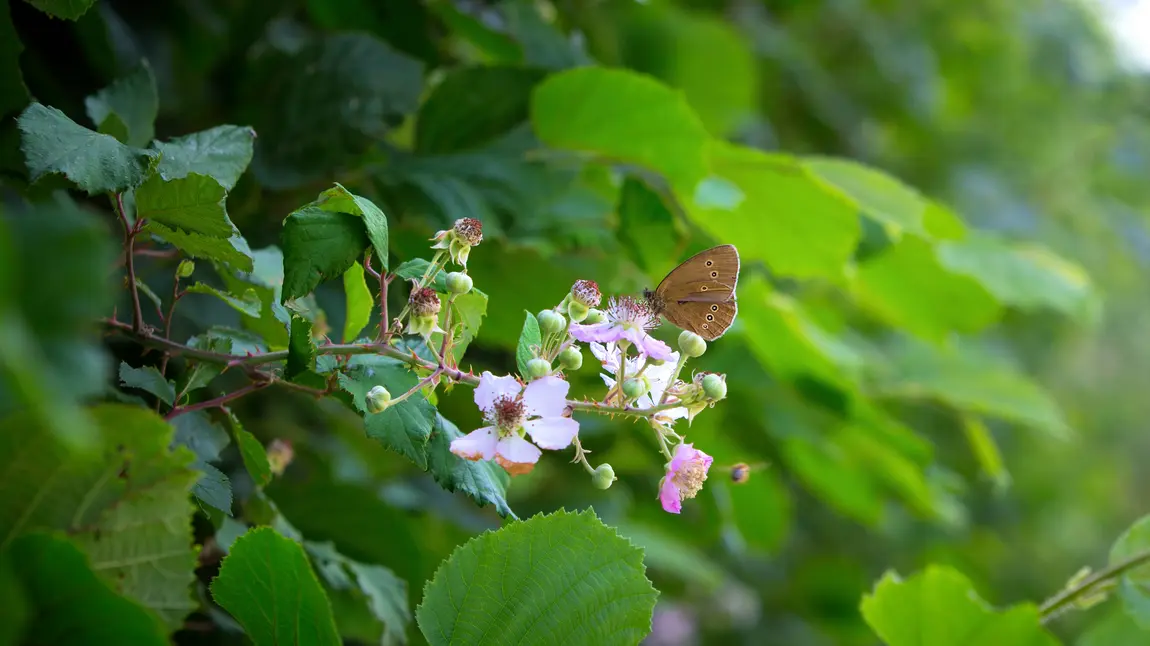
<point>217,402</point>
<point>1052,606</point>
<point>129,240</point>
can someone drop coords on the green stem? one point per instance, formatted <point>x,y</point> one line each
<point>581,457</point>
<point>417,387</point>
<point>1053,606</point>
<point>674,377</point>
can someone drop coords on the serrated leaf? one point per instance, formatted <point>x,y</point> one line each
<point>194,204</point>
<point>214,488</point>
<point>301,349</point>
<point>472,106</point>
<point>52,573</point>
<point>318,245</point>
<point>231,251</point>
<point>541,579</point>
<point>248,304</point>
<point>341,200</point>
<point>252,452</point>
<point>133,101</point>
<point>222,153</point>
<point>386,593</point>
<point>96,163</point>
<point>66,9</point>
<point>266,583</point>
<point>1134,586</point>
<point>470,308</point>
<point>148,379</point>
<point>528,338</point>
<point>484,481</point>
<point>622,116</point>
<point>939,607</point>
<point>877,195</point>
<point>416,269</point>
<point>358,302</point>
<point>404,427</point>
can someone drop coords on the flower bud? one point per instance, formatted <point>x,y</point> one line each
<point>538,368</point>
<point>714,386</point>
<point>586,293</point>
<point>593,316</point>
<point>692,344</point>
<point>551,322</point>
<point>459,282</point>
<point>185,268</point>
<point>635,387</point>
<point>424,305</point>
<point>603,477</point>
<point>571,358</point>
<point>577,311</point>
<point>377,399</point>
<point>459,239</point>
<point>280,455</point>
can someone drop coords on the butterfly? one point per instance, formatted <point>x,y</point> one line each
<point>699,294</point>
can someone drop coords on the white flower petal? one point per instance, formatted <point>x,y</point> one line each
<point>517,455</point>
<point>546,397</point>
<point>552,433</point>
<point>476,445</point>
<point>492,388</point>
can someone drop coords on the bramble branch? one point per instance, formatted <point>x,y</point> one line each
<point>1053,607</point>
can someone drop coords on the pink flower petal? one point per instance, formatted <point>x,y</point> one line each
<point>653,347</point>
<point>491,388</point>
<point>602,332</point>
<point>552,433</point>
<point>476,445</point>
<point>517,455</point>
<point>546,397</point>
<point>669,496</point>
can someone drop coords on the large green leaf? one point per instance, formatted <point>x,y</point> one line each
<point>877,195</point>
<point>266,583</point>
<point>939,607</point>
<point>469,310</point>
<point>232,251</point>
<point>67,602</point>
<point>472,106</point>
<point>404,427</point>
<point>131,102</point>
<point>774,211</point>
<point>540,581</point>
<point>96,163</point>
<point>341,200</point>
<point>622,116</point>
<point>194,204</point>
<point>318,245</point>
<point>223,153</point>
<point>148,379</point>
<point>1134,586</point>
<point>358,302</point>
<point>485,482</point>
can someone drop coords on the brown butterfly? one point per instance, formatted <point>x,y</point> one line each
<point>699,294</point>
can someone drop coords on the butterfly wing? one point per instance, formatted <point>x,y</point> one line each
<point>707,277</point>
<point>708,320</point>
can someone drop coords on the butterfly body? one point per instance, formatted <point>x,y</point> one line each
<point>699,294</point>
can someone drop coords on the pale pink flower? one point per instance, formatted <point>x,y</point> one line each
<point>659,377</point>
<point>628,319</point>
<point>511,410</point>
<point>686,473</point>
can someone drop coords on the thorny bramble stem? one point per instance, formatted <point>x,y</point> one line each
<point>176,294</point>
<point>129,240</point>
<point>1054,606</point>
<point>426,381</point>
<point>218,401</point>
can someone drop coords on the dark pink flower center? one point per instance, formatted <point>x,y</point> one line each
<point>508,413</point>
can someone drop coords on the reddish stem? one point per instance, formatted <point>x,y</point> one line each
<point>217,402</point>
<point>129,240</point>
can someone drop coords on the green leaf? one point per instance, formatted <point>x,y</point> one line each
<point>231,251</point>
<point>301,349</point>
<point>66,9</point>
<point>318,245</point>
<point>133,101</point>
<point>194,204</point>
<point>985,449</point>
<point>1115,629</point>
<point>206,439</point>
<point>266,278</point>
<point>484,482</point>
<point>529,338</point>
<point>906,286</point>
<point>774,211</point>
<point>386,593</point>
<point>70,603</point>
<point>148,379</point>
<point>1134,586</point>
<point>266,583</point>
<point>541,579</point>
<point>248,304</point>
<point>622,116</point>
<point>96,163</point>
<point>416,269</point>
<point>404,427</point>
<point>252,452</point>
<point>939,607</point>
<point>222,153</point>
<point>831,475</point>
<point>1025,276</point>
<point>472,106</point>
<point>647,229</point>
<point>341,200</point>
<point>877,195</point>
<point>358,302</point>
<point>470,308</point>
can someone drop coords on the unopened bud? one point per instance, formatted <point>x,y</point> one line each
<point>603,477</point>
<point>593,316</point>
<point>377,399</point>
<point>577,311</point>
<point>459,282</point>
<point>635,387</point>
<point>571,358</point>
<point>424,301</point>
<point>714,386</point>
<point>692,344</point>
<point>586,293</point>
<point>551,322</point>
<point>538,368</point>
<point>185,268</point>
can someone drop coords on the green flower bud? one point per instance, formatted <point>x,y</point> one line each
<point>692,344</point>
<point>577,311</point>
<point>377,399</point>
<point>603,477</point>
<point>551,322</point>
<point>714,386</point>
<point>593,316</point>
<point>185,268</point>
<point>459,282</point>
<point>635,387</point>
<point>571,358</point>
<point>538,368</point>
